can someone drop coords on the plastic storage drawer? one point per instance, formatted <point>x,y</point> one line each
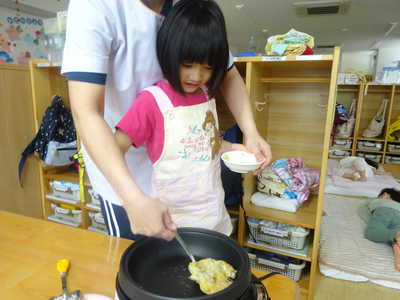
<point>367,145</point>
<point>395,160</point>
<point>65,190</point>
<point>375,157</point>
<point>345,144</point>
<point>97,222</point>
<point>94,197</point>
<point>66,214</point>
<point>394,148</point>
<point>338,153</point>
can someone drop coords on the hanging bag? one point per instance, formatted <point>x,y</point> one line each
<point>345,130</point>
<point>55,142</point>
<point>376,125</point>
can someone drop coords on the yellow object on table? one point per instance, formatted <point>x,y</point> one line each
<point>63,265</point>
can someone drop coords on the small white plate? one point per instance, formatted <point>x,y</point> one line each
<point>241,161</point>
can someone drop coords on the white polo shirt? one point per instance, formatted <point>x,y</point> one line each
<point>114,40</point>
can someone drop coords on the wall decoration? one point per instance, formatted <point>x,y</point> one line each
<point>21,37</point>
<point>24,57</point>
<point>5,57</point>
<point>14,32</point>
<point>4,44</point>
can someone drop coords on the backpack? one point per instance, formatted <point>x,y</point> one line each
<point>55,142</point>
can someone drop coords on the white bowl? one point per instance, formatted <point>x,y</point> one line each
<point>240,161</point>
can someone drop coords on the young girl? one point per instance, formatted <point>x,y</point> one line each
<point>176,119</point>
<point>384,221</point>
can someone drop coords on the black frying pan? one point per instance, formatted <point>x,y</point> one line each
<point>154,269</point>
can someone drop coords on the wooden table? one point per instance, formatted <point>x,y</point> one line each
<point>30,249</point>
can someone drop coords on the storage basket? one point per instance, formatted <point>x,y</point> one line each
<point>97,222</point>
<point>345,144</point>
<point>65,190</point>
<point>277,234</point>
<point>367,145</point>
<point>338,153</point>
<point>395,160</point>
<point>277,265</point>
<point>375,157</point>
<point>70,214</point>
<point>95,198</point>
<point>394,148</point>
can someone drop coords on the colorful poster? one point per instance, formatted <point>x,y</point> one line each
<point>21,37</point>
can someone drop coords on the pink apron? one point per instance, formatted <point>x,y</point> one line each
<point>187,176</point>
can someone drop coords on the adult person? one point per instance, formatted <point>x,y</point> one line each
<point>109,56</point>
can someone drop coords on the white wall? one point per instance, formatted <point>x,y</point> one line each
<point>50,5</point>
<point>358,60</point>
<point>386,56</point>
<point>21,37</point>
<point>369,61</point>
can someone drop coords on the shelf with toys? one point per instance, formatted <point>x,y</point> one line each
<point>66,197</point>
<point>293,103</point>
<point>375,144</point>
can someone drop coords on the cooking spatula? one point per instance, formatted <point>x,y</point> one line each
<point>184,246</point>
<point>62,268</point>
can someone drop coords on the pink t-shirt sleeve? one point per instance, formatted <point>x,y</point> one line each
<point>143,124</point>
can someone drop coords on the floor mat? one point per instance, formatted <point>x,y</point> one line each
<point>345,253</point>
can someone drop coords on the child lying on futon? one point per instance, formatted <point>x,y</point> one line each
<point>383,221</point>
<point>358,168</point>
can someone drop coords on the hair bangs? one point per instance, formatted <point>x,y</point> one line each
<point>202,44</point>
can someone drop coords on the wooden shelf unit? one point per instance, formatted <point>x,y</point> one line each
<point>293,101</point>
<point>369,98</point>
<point>46,83</point>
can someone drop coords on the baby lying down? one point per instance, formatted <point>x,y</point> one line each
<point>358,168</point>
<point>383,221</point>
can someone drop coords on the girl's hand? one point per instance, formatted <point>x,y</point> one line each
<point>227,146</point>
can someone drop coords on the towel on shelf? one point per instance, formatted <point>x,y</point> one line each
<point>300,180</point>
<point>291,43</point>
<point>264,200</point>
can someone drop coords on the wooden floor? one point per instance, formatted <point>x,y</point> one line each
<point>333,289</point>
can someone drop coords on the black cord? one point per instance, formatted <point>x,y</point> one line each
<point>259,280</point>
<point>247,224</point>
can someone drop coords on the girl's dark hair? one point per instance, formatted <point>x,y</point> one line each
<point>372,163</point>
<point>193,32</point>
<point>394,194</point>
